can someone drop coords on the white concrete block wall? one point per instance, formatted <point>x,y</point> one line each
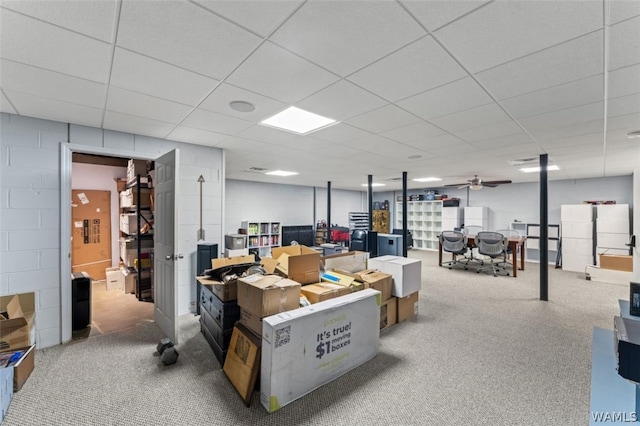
<point>30,207</point>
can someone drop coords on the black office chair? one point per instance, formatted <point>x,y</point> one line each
<point>493,245</point>
<point>454,242</point>
<point>510,233</point>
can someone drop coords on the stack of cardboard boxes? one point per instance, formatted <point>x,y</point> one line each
<point>17,345</point>
<point>343,301</point>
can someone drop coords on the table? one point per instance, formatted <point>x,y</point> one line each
<point>514,243</point>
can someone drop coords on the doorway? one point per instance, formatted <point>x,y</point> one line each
<point>113,305</point>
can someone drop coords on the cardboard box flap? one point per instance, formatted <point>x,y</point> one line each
<point>226,261</point>
<point>14,310</point>
<point>370,275</point>
<point>336,278</point>
<point>10,325</point>
<point>351,261</point>
<point>268,281</point>
<point>269,264</point>
<point>292,251</point>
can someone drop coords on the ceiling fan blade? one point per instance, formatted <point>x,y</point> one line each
<point>458,185</point>
<point>495,182</point>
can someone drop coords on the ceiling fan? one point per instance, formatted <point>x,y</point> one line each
<point>477,183</point>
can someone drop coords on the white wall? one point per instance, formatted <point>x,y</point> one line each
<point>30,208</point>
<point>103,178</point>
<point>289,204</point>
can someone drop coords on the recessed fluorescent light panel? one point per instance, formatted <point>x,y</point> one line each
<point>537,169</point>
<point>281,173</point>
<point>373,184</point>
<point>427,179</point>
<point>298,121</point>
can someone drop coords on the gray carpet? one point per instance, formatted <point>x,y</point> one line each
<point>482,351</point>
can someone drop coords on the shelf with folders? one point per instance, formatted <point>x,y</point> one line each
<point>262,235</point>
<point>424,220</point>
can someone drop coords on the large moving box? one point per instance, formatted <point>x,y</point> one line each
<point>266,295</point>
<point>308,347</point>
<point>299,263</point>
<point>17,322</point>
<point>91,232</point>
<point>407,273</point>
<point>323,291</point>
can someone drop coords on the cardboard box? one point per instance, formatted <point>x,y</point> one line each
<point>18,329</point>
<point>377,280</point>
<point>323,291</point>
<point>115,279</point>
<point>252,321</point>
<point>406,273</point>
<point>388,313</point>
<point>299,263</point>
<point>266,295</point>
<point>311,346</point>
<point>91,232</point>
<point>352,261</point>
<point>130,279</point>
<point>616,262</point>
<point>6,390</point>
<point>224,291</point>
<point>407,307</point>
<point>226,261</point>
<point>338,278</point>
<point>23,367</point>
<point>242,363</point>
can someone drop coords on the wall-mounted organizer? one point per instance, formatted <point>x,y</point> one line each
<point>358,220</point>
<point>262,235</point>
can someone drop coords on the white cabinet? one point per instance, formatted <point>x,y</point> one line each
<point>476,216</point>
<point>262,235</point>
<point>424,220</point>
<point>577,236</point>
<point>612,229</point>
<point>451,218</point>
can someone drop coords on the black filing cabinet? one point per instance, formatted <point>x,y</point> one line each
<point>80,300</point>
<point>217,319</point>
<point>206,252</point>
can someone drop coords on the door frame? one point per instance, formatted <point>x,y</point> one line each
<point>66,153</point>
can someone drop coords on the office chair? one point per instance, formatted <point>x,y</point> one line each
<point>510,233</point>
<point>493,245</point>
<point>454,242</point>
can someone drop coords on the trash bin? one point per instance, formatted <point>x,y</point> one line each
<point>80,300</point>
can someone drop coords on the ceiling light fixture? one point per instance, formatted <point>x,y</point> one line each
<point>427,179</point>
<point>634,134</point>
<point>475,187</point>
<point>298,121</point>
<point>242,106</point>
<point>537,169</point>
<point>374,184</point>
<point>281,173</point>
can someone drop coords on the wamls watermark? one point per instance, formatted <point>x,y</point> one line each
<point>614,416</point>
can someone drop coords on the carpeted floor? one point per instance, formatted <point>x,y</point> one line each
<point>482,351</point>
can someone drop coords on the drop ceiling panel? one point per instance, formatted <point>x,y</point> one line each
<point>219,101</point>
<point>444,100</point>
<point>184,34</point>
<point>504,141</point>
<point>51,85</point>
<point>196,136</point>
<point>50,109</point>
<point>624,122</point>
<point>560,64</point>
<point>319,29</point>
<point>471,118</point>
<point>214,122</point>
<point>339,133</point>
<point>92,18</point>
<point>256,150</point>
<point>563,118</point>
<point>341,101</point>
<point>5,105</point>
<point>145,75</point>
<point>436,13</point>
<point>573,130</point>
<point>127,102</point>
<point>137,125</point>
<point>37,43</point>
<point>279,74</point>
<point>265,134</point>
<point>624,81</point>
<point>503,31</point>
<point>568,95</point>
<point>261,17</point>
<point>413,132</point>
<point>625,43</point>
<point>624,105</point>
<point>491,131</point>
<point>386,118</point>
<point>420,66</point>
<point>385,147</point>
<point>620,10</point>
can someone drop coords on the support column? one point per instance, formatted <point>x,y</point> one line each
<point>544,230</point>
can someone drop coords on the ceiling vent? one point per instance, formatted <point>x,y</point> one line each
<point>394,179</point>
<point>256,170</point>
<point>522,161</point>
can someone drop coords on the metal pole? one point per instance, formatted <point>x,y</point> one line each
<point>370,196</point>
<point>405,232</point>
<point>544,230</point>
<point>329,211</point>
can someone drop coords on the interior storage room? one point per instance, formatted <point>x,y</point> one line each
<point>319,212</point>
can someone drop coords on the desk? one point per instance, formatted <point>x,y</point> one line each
<point>514,243</point>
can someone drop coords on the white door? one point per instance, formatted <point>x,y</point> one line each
<point>166,255</point>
